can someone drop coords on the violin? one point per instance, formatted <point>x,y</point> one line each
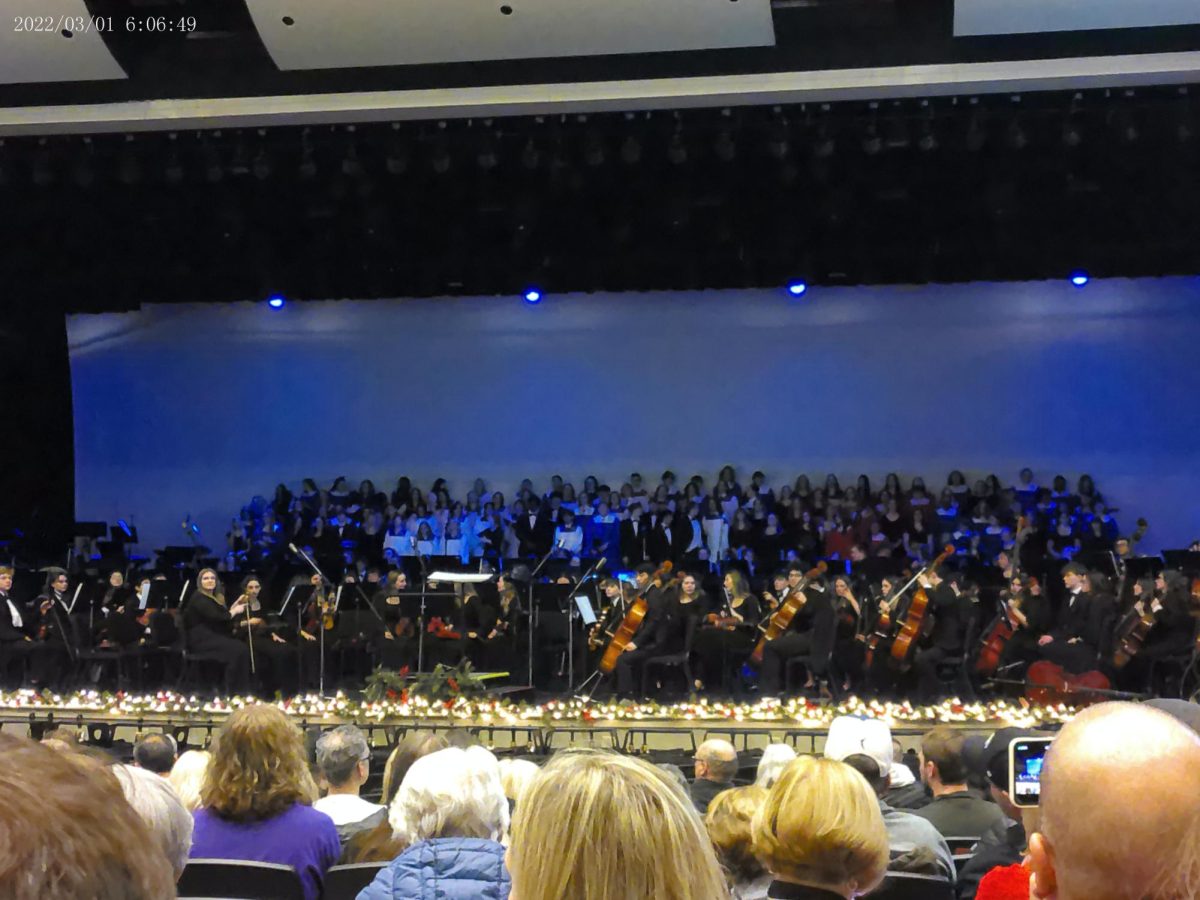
<point>904,647</point>
<point>883,627</point>
<point>634,616</point>
<point>781,619</point>
<point>321,612</point>
<point>440,628</point>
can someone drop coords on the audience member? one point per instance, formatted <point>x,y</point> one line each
<point>729,820</point>
<point>451,814</point>
<point>153,798</point>
<point>914,845</point>
<point>955,810</point>
<point>620,829</point>
<point>155,753</point>
<point>68,833</point>
<point>343,765</point>
<point>187,777</point>
<point>716,764</point>
<point>256,799</point>
<point>1119,816</point>
<point>820,832</point>
<point>774,760</point>
<point>1004,843</point>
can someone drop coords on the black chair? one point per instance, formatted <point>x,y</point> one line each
<point>190,661</point>
<point>344,882</point>
<point>903,886</point>
<point>237,880</point>
<point>960,862</point>
<point>682,660</point>
<point>960,846</point>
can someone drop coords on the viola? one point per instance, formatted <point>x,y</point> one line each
<point>723,623</point>
<point>440,628</point>
<point>630,624</point>
<point>781,619</point>
<point>883,628</point>
<point>1049,684</point>
<point>904,647</point>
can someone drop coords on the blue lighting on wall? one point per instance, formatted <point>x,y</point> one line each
<point>1080,278</point>
<point>276,301</point>
<point>533,295</point>
<point>797,288</point>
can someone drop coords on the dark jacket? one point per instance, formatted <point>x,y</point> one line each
<point>703,791</point>
<point>961,814</point>
<point>951,613</point>
<point>1003,845</point>
<point>445,869</point>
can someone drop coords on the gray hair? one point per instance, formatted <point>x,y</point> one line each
<point>339,752</point>
<point>156,803</point>
<point>450,793</point>
<point>774,760</point>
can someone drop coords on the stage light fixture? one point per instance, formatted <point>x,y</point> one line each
<point>533,295</point>
<point>797,288</point>
<point>276,301</point>
<point>1079,278</point>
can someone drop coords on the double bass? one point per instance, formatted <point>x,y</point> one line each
<point>780,620</point>
<point>628,629</point>
<point>904,647</point>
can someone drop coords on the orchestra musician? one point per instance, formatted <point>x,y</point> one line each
<point>880,674</point>
<point>951,611</point>
<point>728,634</point>
<point>16,631</point>
<point>1083,624</point>
<point>1028,614</point>
<point>655,635</point>
<point>504,642</point>
<point>850,636</point>
<point>210,628</point>
<point>396,647</point>
<point>274,656</point>
<point>54,630</point>
<point>810,635</point>
<point>1168,600</point>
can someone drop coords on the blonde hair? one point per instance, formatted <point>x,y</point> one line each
<point>587,808</point>
<point>259,767</point>
<point>729,820</point>
<point>821,826</point>
<point>187,775</point>
<point>515,775</point>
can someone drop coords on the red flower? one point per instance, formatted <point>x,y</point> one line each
<point>392,695</point>
<point>404,695</point>
<point>453,684</point>
<point>403,671</point>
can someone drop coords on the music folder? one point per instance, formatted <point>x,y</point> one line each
<point>585,609</point>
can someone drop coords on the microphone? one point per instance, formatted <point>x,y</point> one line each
<point>292,547</point>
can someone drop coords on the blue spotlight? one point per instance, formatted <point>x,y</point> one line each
<point>797,288</point>
<point>533,295</point>
<point>276,301</point>
<point>1079,279</point>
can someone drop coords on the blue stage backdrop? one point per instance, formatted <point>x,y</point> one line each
<point>193,409</point>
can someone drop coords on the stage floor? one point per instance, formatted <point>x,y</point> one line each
<point>505,724</point>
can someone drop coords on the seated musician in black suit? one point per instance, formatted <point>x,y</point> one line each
<point>1083,623</point>
<point>951,611</point>
<point>655,636</point>
<point>16,630</point>
<point>811,634</point>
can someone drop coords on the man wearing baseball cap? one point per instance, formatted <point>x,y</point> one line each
<point>1004,843</point>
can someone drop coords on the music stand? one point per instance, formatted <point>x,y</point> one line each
<point>1184,560</point>
<point>1139,567</point>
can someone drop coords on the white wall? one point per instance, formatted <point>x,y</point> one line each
<point>195,408</point>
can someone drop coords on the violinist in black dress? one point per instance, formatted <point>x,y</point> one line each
<point>210,625</point>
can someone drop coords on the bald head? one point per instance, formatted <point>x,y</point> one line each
<point>1119,816</point>
<point>716,760</point>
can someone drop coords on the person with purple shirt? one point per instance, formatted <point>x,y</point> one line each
<point>256,800</point>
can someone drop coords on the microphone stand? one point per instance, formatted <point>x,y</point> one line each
<point>421,616</point>
<point>572,613</point>
<point>532,614</point>
<point>250,639</point>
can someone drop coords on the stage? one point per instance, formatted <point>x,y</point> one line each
<point>507,725</point>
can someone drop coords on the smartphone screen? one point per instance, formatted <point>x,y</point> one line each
<point>1025,759</point>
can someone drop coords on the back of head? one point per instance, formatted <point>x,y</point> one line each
<point>729,822</point>
<point>408,751</point>
<point>774,759</point>
<point>943,747</point>
<point>821,826</point>
<point>1119,816</point>
<point>155,753</point>
<point>515,776</point>
<point>160,808</point>
<point>587,809</point>
<point>187,777</point>
<point>450,793</point>
<point>259,767</point>
<point>721,759</point>
<point>849,735</point>
<point>66,831</point>
<point>339,751</point>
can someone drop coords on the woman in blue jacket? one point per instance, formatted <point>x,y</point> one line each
<point>451,813</point>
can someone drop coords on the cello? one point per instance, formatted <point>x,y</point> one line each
<point>1005,624</point>
<point>883,626</point>
<point>627,630</point>
<point>1049,684</point>
<point>780,620</point>
<point>911,629</point>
